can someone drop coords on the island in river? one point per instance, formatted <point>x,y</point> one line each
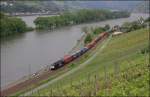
<point>36,50</point>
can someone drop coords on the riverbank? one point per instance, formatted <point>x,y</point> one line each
<point>79,45</point>
<point>78,17</point>
<point>121,54</point>
<point>42,74</point>
<point>39,77</point>
<point>33,14</point>
<point>41,48</point>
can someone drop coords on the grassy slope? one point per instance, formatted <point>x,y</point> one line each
<point>122,50</point>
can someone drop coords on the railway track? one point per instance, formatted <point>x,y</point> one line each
<point>71,71</point>
<point>24,84</point>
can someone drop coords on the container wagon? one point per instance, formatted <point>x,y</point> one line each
<point>67,59</point>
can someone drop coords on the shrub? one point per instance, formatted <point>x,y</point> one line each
<point>88,38</point>
<point>11,25</point>
<point>98,30</point>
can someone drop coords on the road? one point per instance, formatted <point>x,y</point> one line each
<point>71,71</point>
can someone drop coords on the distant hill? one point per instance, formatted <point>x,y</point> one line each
<point>115,5</point>
<point>143,7</point>
<point>59,6</point>
<point>28,6</point>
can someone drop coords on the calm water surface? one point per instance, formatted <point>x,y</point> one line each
<point>38,49</point>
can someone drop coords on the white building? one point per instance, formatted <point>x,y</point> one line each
<point>117,33</point>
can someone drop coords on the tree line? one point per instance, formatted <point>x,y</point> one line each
<point>125,27</point>
<point>92,33</point>
<point>134,25</point>
<point>12,25</point>
<point>81,16</point>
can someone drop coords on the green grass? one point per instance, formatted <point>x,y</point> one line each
<point>61,71</point>
<point>123,50</point>
<point>132,81</point>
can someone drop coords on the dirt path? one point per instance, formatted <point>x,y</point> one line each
<point>71,71</point>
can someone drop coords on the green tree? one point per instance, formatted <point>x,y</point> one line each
<point>11,25</point>
<point>88,38</point>
<point>147,20</point>
<point>107,27</point>
<point>98,30</point>
<point>81,16</point>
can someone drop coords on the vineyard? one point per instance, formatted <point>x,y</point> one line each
<point>121,69</point>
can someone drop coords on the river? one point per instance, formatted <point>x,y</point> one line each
<point>29,52</point>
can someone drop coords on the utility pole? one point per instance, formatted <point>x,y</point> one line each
<point>29,78</point>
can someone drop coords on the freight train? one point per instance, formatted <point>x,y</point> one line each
<point>69,58</point>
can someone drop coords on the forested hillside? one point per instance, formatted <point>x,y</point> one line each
<point>143,7</point>
<point>29,6</point>
<point>60,6</point>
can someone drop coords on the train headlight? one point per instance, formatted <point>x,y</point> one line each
<point>52,67</point>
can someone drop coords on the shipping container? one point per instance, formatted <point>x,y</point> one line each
<point>68,58</point>
<point>82,51</point>
<point>76,55</point>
